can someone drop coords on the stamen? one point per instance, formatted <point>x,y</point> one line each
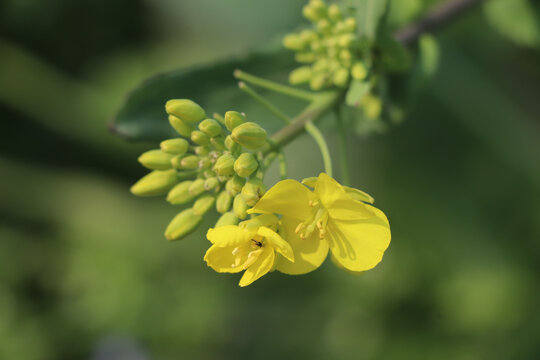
<point>299,228</point>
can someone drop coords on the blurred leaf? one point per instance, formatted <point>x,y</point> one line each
<point>515,19</point>
<point>357,90</point>
<point>428,51</point>
<point>213,86</point>
<point>393,54</point>
<point>368,15</point>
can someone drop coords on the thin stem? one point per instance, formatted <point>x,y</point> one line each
<point>273,109</point>
<point>343,153</point>
<point>270,85</point>
<point>282,165</point>
<point>323,146</point>
<point>219,118</point>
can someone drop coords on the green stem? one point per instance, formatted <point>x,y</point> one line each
<point>323,146</point>
<point>273,109</point>
<point>282,165</point>
<point>270,85</point>
<point>343,154</point>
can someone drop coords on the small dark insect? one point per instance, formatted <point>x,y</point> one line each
<point>258,243</point>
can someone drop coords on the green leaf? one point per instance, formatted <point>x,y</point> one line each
<point>143,116</point>
<point>514,19</point>
<point>357,90</point>
<point>393,54</point>
<point>368,15</point>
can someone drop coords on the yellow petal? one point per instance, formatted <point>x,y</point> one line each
<point>309,253</point>
<point>260,267</point>
<point>338,203</point>
<point>359,245</point>
<point>335,262</point>
<point>359,195</point>
<point>221,259</point>
<point>288,198</point>
<point>275,241</point>
<point>228,235</point>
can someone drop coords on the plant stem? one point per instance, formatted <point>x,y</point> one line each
<point>323,146</point>
<point>273,109</point>
<point>282,166</point>
<point>270,85</point>
<point>343,154</point>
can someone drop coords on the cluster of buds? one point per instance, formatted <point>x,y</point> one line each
<point>331,48</point>
<point>215,163</point>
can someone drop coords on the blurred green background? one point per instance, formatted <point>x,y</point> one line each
<point>85,272</point>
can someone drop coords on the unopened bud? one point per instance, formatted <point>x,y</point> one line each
<point>324,26</point>
<point>359,71</point>
<point>234,185</point>
<point>203,204</point>
<point>156,160</point>
<point>250,135</point>
<point>197,187</point>
<point>224,165</point>
<point>300,75</point>
<point>181,127</point>
<point>345,56</point>
<point>189,162</point>
<point>245,165</point>
<point>372,106</point>
<point>317,82</point>
<point>346,40</point>
<point>233,119</point>
<point>223,202</point>
<point>210,127</point>
<point>308,36</point>
<point>231,144</point>
<point>240,207</point>
<point>211,183</point>
<point>155,183</point>
<point>293,42</point>
<point>305,58</point>
<point>180,193</point>
<point>218,142</point>
<point>334,13</point>
<point>341,77</point>
<point>205,163</point>
<point>182,224</point>
<point>349,24</point>
<point>174,146</point>
<point>253,191</point>
<point>185,110</point>
<point>198,137</point>
<point>227,219</point>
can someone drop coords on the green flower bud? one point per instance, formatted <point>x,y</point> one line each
<point>334,13</point>
<point>308,36</point>
<point>198,137</point>
<point>182,224</point>
<point>250,135</point>
<point>240,207</point>
<point>359,71</point>
<point>155,183</point>
<point>233,119</point>
<point>293,42</point>
<point>234,185</point>
<point>156,160</point>
<point>208,173</point>
<point>245,165</point>
<point>305,58</point>
<point>218,142</point>
<point>341,77</point>
<point>318,82</point>
<point>203,204</point>
<point>324,26</point>
<point>180,193</point>
<point>186,110</point>
<point>349,24</point>
<point>205,163</point>
<point>372,106</point>
<point>174,146</point>
<point>197,187</point>
<point>227,219</point>
<point>345,56</point>
<point>211,183</point>
<point>210,127</point>
<point>300,75</point>
<point>224,165</point>
<point>253,191</point>
<point>201,150</point>
<point>223,202</point>
<point>189,162</point>
<point>315,10</point>
<point>346,40</point>
<point>231,144</point>
<point>180,126</point>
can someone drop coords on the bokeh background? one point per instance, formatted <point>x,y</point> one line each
<point>85,272</point>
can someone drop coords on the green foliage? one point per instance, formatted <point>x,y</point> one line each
<point>357,90</point>
<point>515,19</point>
<point>368,14</point>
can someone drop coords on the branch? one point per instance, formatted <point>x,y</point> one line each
<point>440,15</point>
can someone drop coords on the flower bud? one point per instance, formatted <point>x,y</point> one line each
<point>202,150</point>
<point>231,144</point>
<point>223,202</point>
<point>245,165</point>
<point>359,71</point>
<point>324,26</point>
<point>180,126</point>
<point>203,204</point>
<point>156,160</point>
<point>189,162</point>
<point>227,219</point>
<point>252,191</point>
<point>155,183</point>
<point>205,163</point>
<point>293,42</point>
<point>218,143</point>
<point>349,24</point>
<point>198,137</point>
<point>182,224</point>
<point>180,193</point>
<point>308,36</point>
<point>305,58</point>
<point>300,75</point>
<point>372,106</point>
<point>197,187</point>
<point>211,183</point>
<point>240,207</point>
<point>317,82</point>
<point>210,127</point>
<point>334,13</point>
<point>233,119</point>
<point>340,77</point>
<point>345,56</point>
<point>174,146</point>
<point>250,135</point>
<point>224,165</point>
<point>186,110</point>
<point>234,185</point>
<point>208,173</point>
<point>346,40</point>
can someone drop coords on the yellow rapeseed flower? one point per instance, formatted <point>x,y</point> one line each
<point>249,246</point>
<point>331,217</point>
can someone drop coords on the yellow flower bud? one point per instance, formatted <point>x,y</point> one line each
<point>180,193</point>
<point>205,163</point>
<point>346,40</point>
<point>223,202</point>
<point>211,183</point>
<point>224,165</point>
<point>250,135</point>
<point>198,137</point>
<point>240,207</point>
<point>341,77</point>
<point>180,126</point>
<point>203,204</point>
<point>317,82</point>
<point>308,36</point>
<point>293,42</point>
<point>189,162</point>
<point>345,56</point>
<point>186,110</point>
<point>234,185</point>
<point>227,219</point>
<point>349,24</point>
<point>300,75</point>
<point>197,187</point>
<point>156,160</point>
<point>245,165</point>
<point>210,127</point>
<point>182,224</point>
<point>218,142</point>
<point>155,183</point>
<point>252,191</point>
<point>372,106</point>
<point>334,13</point>
<point>359,71</point>
<point>174,146</point>
<point>233,119</point>
<point>231,144</point>
<point>324,26</point>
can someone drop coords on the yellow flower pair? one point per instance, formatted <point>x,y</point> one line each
<point>331,218</point>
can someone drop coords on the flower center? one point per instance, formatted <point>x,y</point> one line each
<point>247,254</point>
<point>318,220</point>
